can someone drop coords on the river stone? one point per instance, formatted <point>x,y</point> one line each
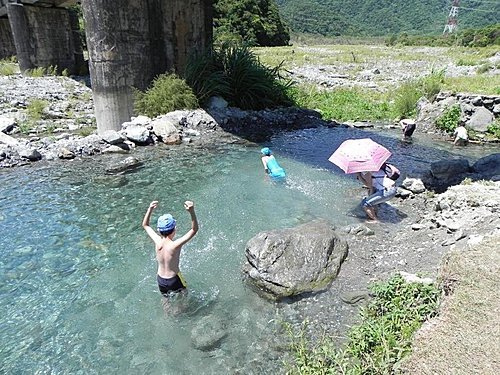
<point>124,165</point>
<point>449,169</point>
<point>8,140</point>
<point>165,129</point>
<point>480,120</point>
<point>112,137</point>
<point>287,262</point>
<point>7,124</point>
<point>217,102</point>
<point>415,185</point>
<point>208,333</point>
<point>29,153</point>
<point>137,134</point>
<point>354,297</point>
<point>488,166</point>
<point>64,153</point>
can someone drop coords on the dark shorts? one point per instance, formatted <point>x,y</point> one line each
<point>170,285</point>
<point>409,129</point>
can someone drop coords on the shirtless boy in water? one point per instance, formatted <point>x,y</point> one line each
<point>168,250</point>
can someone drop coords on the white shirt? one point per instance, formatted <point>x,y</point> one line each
<point>380,181</point>
<point>461,133</point>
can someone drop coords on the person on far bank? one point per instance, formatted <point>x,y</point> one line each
<point>168,249</point>
<point>380,189</point>
<point>408,126</point>
<point>461,136</point>
<point>271,165</point>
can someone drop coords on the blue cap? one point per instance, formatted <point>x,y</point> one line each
<point>266,151</point>
<point>166,223</point>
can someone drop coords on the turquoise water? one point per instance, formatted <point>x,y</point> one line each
<point>77,272</point>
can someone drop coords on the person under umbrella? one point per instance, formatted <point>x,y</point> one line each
<point>367,159</point>
<point>380,189</point>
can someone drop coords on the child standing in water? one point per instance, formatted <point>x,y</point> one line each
<point>167,249</point>
<point>271,166</point>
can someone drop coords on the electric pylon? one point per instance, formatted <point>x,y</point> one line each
<point>452,23</point>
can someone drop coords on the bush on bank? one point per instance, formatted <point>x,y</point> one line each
<point>379,342</point>
<point>167,93</point>
<point>234,72</point>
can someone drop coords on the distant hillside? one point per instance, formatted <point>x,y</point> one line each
<point>384,17</point>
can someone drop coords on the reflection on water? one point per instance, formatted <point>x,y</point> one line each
<point>77,272</point>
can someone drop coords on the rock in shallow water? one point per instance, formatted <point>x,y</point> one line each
<point>288,262</point>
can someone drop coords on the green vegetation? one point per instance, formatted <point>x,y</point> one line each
<point>166,94</point>
<point>342,104</point>
<point>494,129</point>
<point>379,342</point>
<point>41,71</point>
<point>254,22</point>
<point>7,67</point>
<point>86,131</point>
<point>35,109</point>
<point>234,72</point>
<point>479,84</point>
<point>407,95</point>
<point>34,113</point>
<point>383,17</point>
<point>26,126</point>
<point>450,119</point>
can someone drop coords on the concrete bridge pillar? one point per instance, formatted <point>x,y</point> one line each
<point>7,47</point>
<point>44,37</point>
<point>132,41</point>
<point>188,28</point>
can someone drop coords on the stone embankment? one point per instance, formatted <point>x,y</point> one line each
<point>478,112</point>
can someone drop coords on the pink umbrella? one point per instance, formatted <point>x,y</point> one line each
<point>360,155</point>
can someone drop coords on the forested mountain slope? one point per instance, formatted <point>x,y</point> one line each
<point>384,17</point>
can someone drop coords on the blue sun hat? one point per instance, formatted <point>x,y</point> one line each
<point>265,151</point>
<point>166,223</point>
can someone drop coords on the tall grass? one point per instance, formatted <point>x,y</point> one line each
<point>407,95</point>
<point>7,67</point>
<point>234,72</point>
<point>342,104</point>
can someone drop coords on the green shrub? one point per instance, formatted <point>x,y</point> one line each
<point>494,129</point>
<point>86,131</point>
<point>408,94</point>
<point>206,76</point>
<point>406,98</point>
<point>35,109</point>
<point>450,119</point>
<point>167,93</point>
<point>384,336</point>
<point>41,71</point>
<point>431,84</point>
<point>464,62</point>
<point>483,68</point>
<point>7,68</point>
<point>379,342</point>
<point>35,72</point>
<point>234,72</point>
<point>26,126</point>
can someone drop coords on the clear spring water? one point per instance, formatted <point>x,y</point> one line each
<point>77,272</point>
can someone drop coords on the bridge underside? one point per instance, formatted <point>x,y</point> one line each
<point>129,43</point>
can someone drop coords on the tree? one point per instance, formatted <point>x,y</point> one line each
<point>255,22</point>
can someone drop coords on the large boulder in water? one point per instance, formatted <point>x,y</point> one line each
<point>287,262</point>
<point>488,166</point>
